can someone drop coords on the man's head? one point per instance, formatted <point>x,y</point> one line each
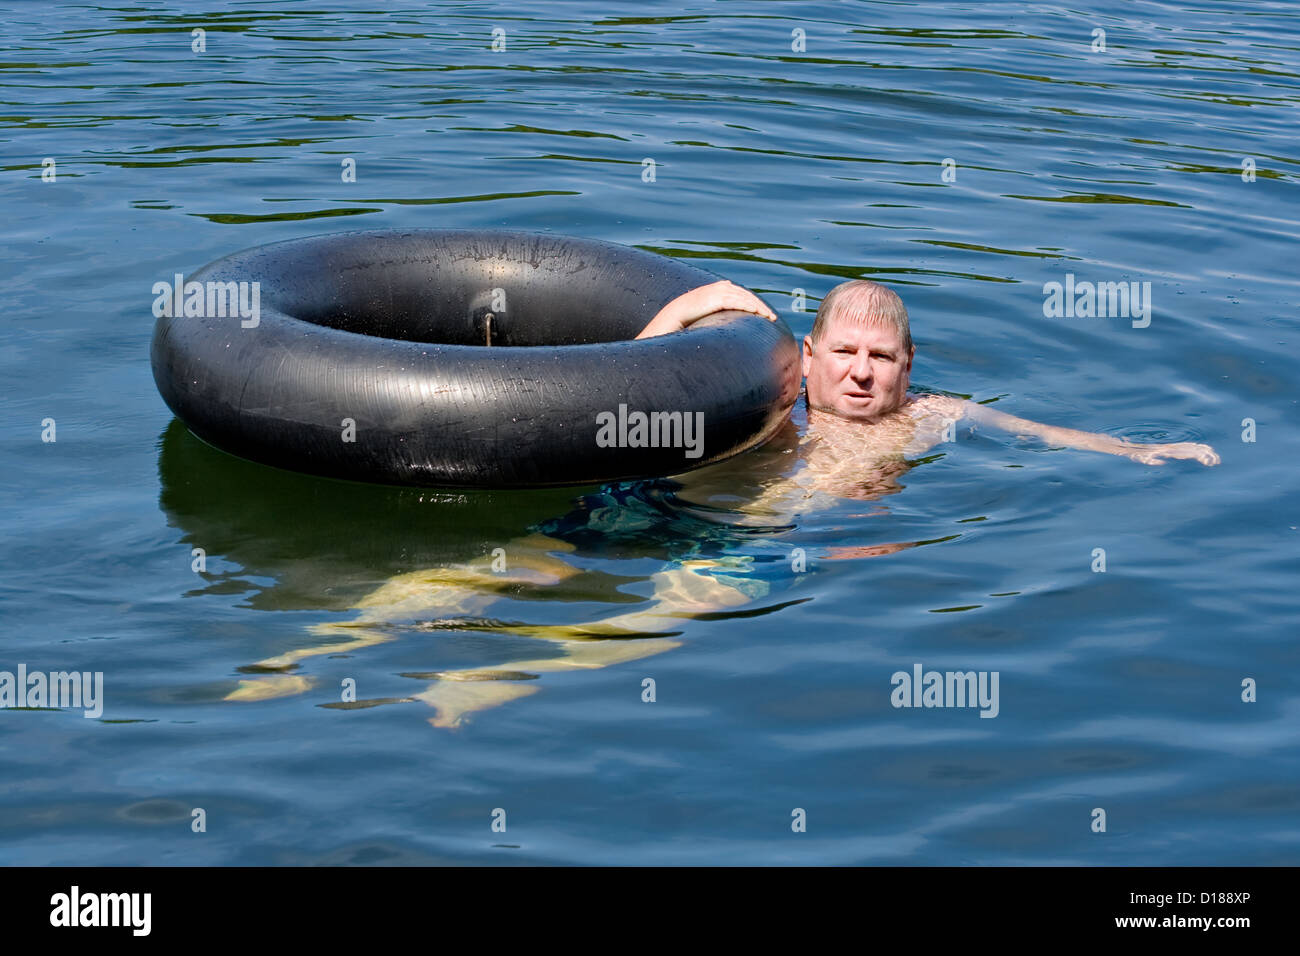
<point>858,359</point>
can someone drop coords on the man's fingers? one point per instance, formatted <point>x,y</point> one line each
<point>1202,453</point>
<point>732,296</point>
<point>1155,454</point>
<point>718,296</point>
<point>749,302</point>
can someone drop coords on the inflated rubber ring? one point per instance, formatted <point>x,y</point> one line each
<point>464,358</point>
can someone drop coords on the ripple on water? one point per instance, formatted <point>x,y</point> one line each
<point>1148,432</point>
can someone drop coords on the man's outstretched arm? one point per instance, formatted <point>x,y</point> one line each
<point>1148,454</point>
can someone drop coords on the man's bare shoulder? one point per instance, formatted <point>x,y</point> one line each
<point>937,406</point>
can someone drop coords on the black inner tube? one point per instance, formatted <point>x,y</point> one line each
<point>466,358</point>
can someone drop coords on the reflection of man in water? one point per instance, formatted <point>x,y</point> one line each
<point>863,425</point>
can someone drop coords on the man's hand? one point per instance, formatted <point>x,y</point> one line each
<point>694,305</point>
<point>1155,454</point>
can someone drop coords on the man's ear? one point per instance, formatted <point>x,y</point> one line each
<point>807,354</point>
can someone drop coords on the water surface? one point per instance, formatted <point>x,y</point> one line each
<point>786,170</point>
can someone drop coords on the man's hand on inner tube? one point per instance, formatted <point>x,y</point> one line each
<point>694,305</point>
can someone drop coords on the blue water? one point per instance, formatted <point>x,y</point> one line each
<point>783,170</point>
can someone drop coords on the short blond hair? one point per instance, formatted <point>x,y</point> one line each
<point>861,300</point>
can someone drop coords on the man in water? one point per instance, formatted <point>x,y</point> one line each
<point>857,366</point>
<point>862,426</point>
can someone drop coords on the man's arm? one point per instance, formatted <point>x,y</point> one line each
<point>1150,454</point>
<point>694,305</point>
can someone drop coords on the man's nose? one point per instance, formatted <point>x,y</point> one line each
<point>861,367</point>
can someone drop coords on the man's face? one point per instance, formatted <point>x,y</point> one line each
<point>857,371</point>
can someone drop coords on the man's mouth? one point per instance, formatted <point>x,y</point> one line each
<point>857,394</point>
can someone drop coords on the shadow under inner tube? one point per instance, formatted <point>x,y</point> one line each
<point>469,358</point>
